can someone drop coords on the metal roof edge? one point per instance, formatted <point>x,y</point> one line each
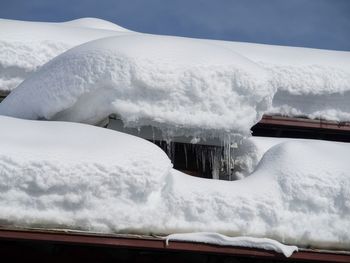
<point>158,243</point>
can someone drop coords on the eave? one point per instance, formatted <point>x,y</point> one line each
<point>153,243</point>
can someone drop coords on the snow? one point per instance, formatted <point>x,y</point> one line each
<point>218,239</point>
<point>25,46</point>
<point>76,176</point>
<point>80,177</point>
<point>250,150</point>
<point>309,82</point>
<point>296,195</point>
<point>200,87</point>
<point>95,23</point>
<point>179,85</point>
<point>257,78</point>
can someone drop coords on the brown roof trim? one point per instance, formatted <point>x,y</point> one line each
<point>156,243</point>
<point>305,123</point>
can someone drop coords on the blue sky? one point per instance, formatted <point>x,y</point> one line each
<point>308,23</point>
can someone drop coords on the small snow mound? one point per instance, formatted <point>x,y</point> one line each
<point>167,82</point>
<point>91,22</point>
<point>317,162</point>
<point>243,241</point>
<point>250,151</point>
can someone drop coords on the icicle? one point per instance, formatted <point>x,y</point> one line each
<point>229,144</point>
<point>197,152</point>
<point>219,160</point>
<point>226,154</point>
<point>170,149</point>
<point>153,135</point>
<point>215,163</point>
<point>203,160</point>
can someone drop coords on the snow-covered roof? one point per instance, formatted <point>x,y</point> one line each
<point>309,82</point>
<point>178,84</point>
<point>75,176</point>
<point>25,46</point>
<point>200,84</point>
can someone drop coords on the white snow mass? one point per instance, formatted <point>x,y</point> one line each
<point>180,85</point>
<point>172,83</point>
<point>250,150</point>
<point>311,83</point>
<point>75,176</point>
<point>218,239</point>
<point>80,177</point>
<point>25,46</point>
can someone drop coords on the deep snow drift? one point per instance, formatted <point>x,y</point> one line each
<point>77,176</point>
<point>65,175</point>
<point>206,90</point>
<point>176,84</point>
<point>208,79</point>
<point>309,82</point>
<point>74,176</point>
<point>25,46</point>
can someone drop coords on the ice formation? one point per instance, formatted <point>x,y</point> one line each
<point>25,46</point>
<point>75,176</point>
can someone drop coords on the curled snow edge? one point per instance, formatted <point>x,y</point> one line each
<point>176,84</point>
<point>241,241</point>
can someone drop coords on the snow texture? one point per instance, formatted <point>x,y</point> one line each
<point>181,85</point>
<point>25,46</point>
<point>75,176</point>
<point>218,239</point>
<point>176,84</point>
<point>250,150</point>
<point>64,175</point>
<point>78,176</point>
<point>309,82</point>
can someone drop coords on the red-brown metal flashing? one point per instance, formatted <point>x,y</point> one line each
<point>155,243</point>
<point>305,123</point>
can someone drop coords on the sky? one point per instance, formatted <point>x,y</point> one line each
<point>308,23</point>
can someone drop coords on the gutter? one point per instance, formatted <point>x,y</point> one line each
<point>304,123</point>
<point>158,244</point>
